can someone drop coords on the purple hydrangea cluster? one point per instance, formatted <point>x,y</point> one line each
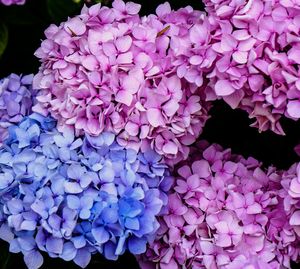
<point>108,69</point>
<point>226,212</point>
<point>257,65</point>
<point>16,101</point>
<point>72,198</point>
<point>12,2</point>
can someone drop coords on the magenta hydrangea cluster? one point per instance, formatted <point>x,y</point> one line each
<point>257,65</point>
<point>227,212</point>
<point>12,2</point>
<point>108,69</point>
<point>16,100</point>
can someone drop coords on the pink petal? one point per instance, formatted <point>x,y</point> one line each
<point>125,58</point>
<point>75,26</point>
<point>224,88</point>
<point>234,99</point>
<point>228,43</point>
<point>170,148</point>
<point>155,117</point>
<point>90,62</point>
<point>132,128</point>
<point>254,209</point>
<point>240,57</point>
<point>294,55</point>
<point>222,227</point>
<point>124,97</point>
<point>198,34</point>
<point>201,168</point>
<point>163,9</point>
<point>293,109</point>
<point>223,240</point>
<point>171,107</point>
<point>131,84</point>
<point>132,8</point>
<point>123,43</point>
<point>295,218</point>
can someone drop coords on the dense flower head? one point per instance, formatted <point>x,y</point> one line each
<point>16,101</point>
<point>257,67</point>
<point>72,197</point>
<point>12,2</point>
<point>225,212</point>
<point>108,69</point>
<point>291,195</point>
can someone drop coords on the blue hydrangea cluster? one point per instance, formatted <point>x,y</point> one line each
<point>73,197</point>
<point>16,100</point>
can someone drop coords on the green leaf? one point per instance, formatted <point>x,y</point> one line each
<point>59,10</point>
<point>3,38</point>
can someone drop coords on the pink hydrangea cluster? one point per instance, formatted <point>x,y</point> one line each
<point>109,69</point>
<point>225,212</point>
<point>257,66</point>
<point>12,2</point>
<point>291,195</point>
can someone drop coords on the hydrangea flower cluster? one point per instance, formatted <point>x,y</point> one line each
<point>71,197</point>
<point>16,100</point>
<point>225,212</point>
<point>140,78</point>
<point>291,195</point>
<point>257,67</point>
<point>12,2</point>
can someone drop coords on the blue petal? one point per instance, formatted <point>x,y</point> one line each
<point>100,235</point>
<point>83,258</point>
<point>86,202</point>
<point>131,155</point>
<point>109,251</point>
<point>132,224</point>
<point>151,156</point>
<point>73,202</point>
<point>75,171</point>
<point>14,246</point>
<point>130,177</point>
<point>5,158</point>
<point>54,245</point>
<point>33,259</point>
<point>110,214</point>
<point>69,252</point>
<point>78,241</point>
<point>28,225</point>
<point>108,138</point>
<point>95,142</point>
<point>64,154</point>
<point>137,246</point>
<point>84,214</point>
<point>5,233</point>
<point>72,187</point>
<point>107,174</point>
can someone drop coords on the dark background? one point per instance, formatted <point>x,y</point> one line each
<point>230,128</point>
